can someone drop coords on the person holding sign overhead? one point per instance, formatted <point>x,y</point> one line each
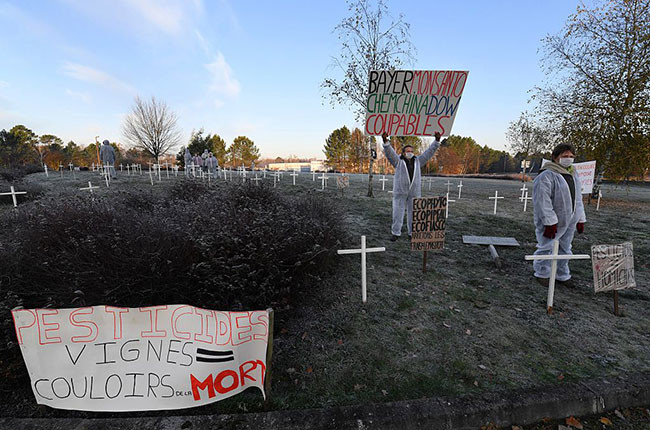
<point>558,212</point>
<point>406,182</point>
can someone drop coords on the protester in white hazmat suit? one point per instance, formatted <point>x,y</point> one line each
<point>107,156</point>
<point>188,161</point>
<point>407,183</point>
<point>211,163</point>
<point>558,212</point>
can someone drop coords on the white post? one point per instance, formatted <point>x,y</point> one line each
<point>90,187</point>
<point>121,170</point>
<point>447,207</point>
<point>448,185</point>
<point>554,257</point>
<point>13,193</point>
<point>430,180</point>
<point>525,199</point>
<point>600,194</point>
<point>294,174</point>
<point>275,178</point>
<point>313,176</point>
<point>383,182</point>
<point>47,174</point>
<point>523,190</point>
<point>460,188</point>
<point>363,251</point>
<point>150,176</point>
<point>496,199</point>
<point>167,168</point>
<point>61,169</point>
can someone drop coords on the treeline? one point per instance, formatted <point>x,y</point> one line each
<point>351,151</point>
<point>242,151</point>
<point>20,146</point>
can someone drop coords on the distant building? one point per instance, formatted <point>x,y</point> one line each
<point>306,166</point>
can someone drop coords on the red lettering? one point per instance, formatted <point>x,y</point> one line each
<point>442,127</point>
<point>197,385</point>
<point>153,321</point>
<point>117,319</point>
<point>43,337</point>
<point>177,333</point>
<point>93,330</point>
<point>205,317</point>
<point>262,320</point>
<point>19,328</point>
<point>243,374</point>
<point>218,381</point>
<point>224,332</point>
<point>237,338</point>
<point>428,124</point>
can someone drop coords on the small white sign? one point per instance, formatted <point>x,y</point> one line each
<point>586,172</point>
<point>613,267</point>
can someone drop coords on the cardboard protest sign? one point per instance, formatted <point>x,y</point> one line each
<point>586,172</point>
<point>428,223</point>
<point>342,182</point>
<point>613,267</point>
<point>105,358</point>
<point>413,102</point>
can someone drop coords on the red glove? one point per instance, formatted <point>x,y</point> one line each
<point>550,230</point>
<point>580,227</point>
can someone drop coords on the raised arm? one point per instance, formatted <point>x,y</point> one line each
<point>431,150</point>
<point>392,156</point>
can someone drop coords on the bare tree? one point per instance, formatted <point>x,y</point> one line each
<point>598,90</point>
<point>369,41</point>
<point>527,138</point>
<point>151,126</point>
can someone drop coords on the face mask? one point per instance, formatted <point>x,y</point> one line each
<point>408,155</point>
<point>566,161</point>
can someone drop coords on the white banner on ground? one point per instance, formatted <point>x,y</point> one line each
<point>586,172</point>
<point>105,358</point>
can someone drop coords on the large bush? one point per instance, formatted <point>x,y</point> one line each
<point>230,248</point>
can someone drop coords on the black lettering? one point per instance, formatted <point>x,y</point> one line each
<point>150,347</point>
<point>135,384</point>
<point>105,353</point>
<point>151,387</point>
<point>187,355</point>
<point>130,350</point>
<point>74,361</point>
<point>37,390</point>
<point>171,389</point>
<point>67,384</point>
<point>106,386</point>
<point>170,350</point>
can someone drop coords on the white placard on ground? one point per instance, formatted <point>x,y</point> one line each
<point>613,267</point>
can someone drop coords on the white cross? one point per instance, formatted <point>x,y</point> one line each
<point>150,176</point>
<point>363,251</point>
<point>93,167</point>
<point>264,172</point>
<point>90,187</point>
<point>323,179</point>
<point>523,190</point>
<point>167,168</point>
<point>13,194</point>
<point>121,170</point>
<point>47,174</point>
<point>275,178</point>
<point>107,174</point>
<point>61,169</point>
<point>448,185</point>
<point>496,199</point>
<point>313,176</point>
<point>600,194</point>
<point>525,199</point>
<point>128,170</point>
<point>447,208</point>
<point>157,167</point>
<point>554,257</point>
<point>383,181</point>
<point>430,180</point>
<point>70,165</point>
<point>460,188</point>
<point>256,179</point>
<point>294,174</point>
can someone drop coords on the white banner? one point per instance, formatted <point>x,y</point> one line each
<point>586,172</point>
<point>413,102</point>
<point>105,358</point>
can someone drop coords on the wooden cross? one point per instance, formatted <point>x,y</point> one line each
<point>525,199</point>
<point>363,251</point>
<point>90,187</point>
<point>323,179</point>
<point>496,199</point>
<point>294,174</point>
<point>600,194</point>
<point>275,178</point>
<point>383,182</point>
<point>447,208</point>
<point>264,172</point>
<point>150,176</point>
<point>460,188</point>
<point>167,168</point>
<point>13,194</point>
<point>107,174</point>
<point>554,257</point>
<point>523,190</point>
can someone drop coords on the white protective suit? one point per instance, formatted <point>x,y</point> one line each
<point>188,161</point>
<point>552,205</point>
<point>107,156</point>
<point>405,190</point>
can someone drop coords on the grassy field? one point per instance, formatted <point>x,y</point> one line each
<point>464,326</point>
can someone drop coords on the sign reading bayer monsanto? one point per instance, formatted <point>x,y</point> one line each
<point>105,358</point>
